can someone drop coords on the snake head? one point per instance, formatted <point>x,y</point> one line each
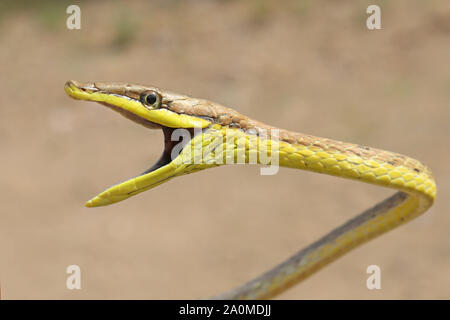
<point>155,109</point>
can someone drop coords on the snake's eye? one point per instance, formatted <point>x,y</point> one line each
<point>151,99</point>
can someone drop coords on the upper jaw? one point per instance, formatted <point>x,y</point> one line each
<point>87,91</point>
<point>111,87</point>
<point>131,91</point>
<point>124,98</point>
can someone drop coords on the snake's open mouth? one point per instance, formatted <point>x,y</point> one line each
<point>170,142</point>
<point>130,106</point>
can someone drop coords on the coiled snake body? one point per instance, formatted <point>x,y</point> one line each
<point>156,108</point>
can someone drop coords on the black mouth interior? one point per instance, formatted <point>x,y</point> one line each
<point>169,144</point>
<point>166,157</point>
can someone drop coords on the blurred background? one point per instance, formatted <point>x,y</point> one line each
<point>307,66</point>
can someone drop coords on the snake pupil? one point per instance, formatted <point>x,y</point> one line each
<point>151,99</point>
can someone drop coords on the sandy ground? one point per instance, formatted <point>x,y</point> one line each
<point>307,66</point>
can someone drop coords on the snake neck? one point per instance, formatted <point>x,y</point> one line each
<point>219,145</point>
